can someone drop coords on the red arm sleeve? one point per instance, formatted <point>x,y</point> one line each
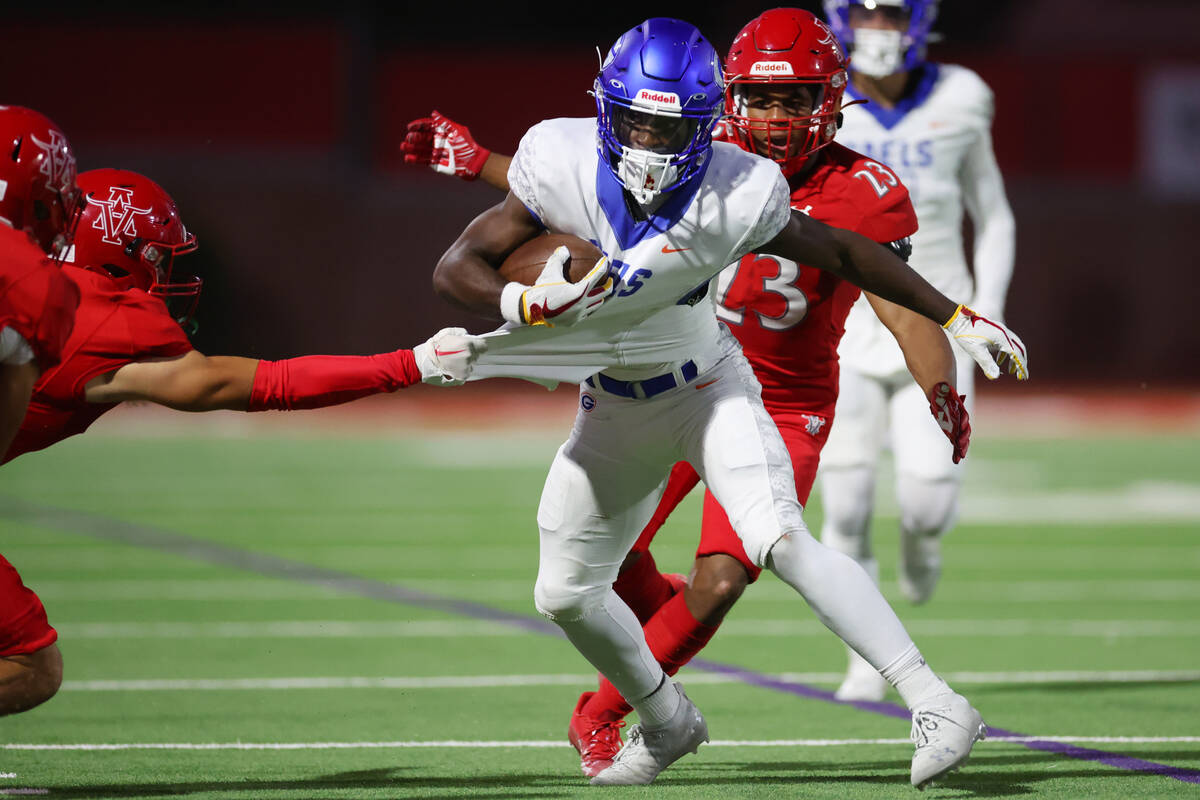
<point>319,381</point>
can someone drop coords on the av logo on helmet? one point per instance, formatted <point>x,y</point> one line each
<point>655,100</point>
<point>116,215</point>
<point>772,68</point>
<point>57,164</point>
<point>829,39</point>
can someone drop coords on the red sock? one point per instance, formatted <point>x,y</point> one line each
<point>643,587</point>
<point>674,636</point>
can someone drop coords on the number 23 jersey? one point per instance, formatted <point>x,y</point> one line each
<point>790,317</point>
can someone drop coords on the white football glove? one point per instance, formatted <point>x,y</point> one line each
<point>447,357</point>
<point>552,300</point>
<point>992,345</point>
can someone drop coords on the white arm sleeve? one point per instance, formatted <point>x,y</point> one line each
<point>992,218</point>
<point>772,219</point>
<point>13,348</point>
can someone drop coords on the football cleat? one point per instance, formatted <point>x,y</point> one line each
<point>862,681</point>
<point>920,566</point>
<point>596,741</point>
<point>649,752</point>
<point>944,729</point>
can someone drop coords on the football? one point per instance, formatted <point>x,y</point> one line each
<point>525,264</point>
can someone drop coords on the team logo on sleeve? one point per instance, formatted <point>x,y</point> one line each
<point>117,215</point>
<point>813,424</point>
<point>587,402</point>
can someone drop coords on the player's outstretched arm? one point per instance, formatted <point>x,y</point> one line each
<point>195,382</point>
<point>447,147</point>
<point>879,271</point>
<point>930,359</point>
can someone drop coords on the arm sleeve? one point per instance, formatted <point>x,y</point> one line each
<point>995,228</point>
<point>319,381</point>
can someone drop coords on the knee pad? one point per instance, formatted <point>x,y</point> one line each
<point>927,508</point>
<point>556,600</point>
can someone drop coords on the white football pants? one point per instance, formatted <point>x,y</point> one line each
<point>873,412</point>
<point>605,483</point>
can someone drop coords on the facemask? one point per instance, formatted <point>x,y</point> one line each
<point>877,53</point>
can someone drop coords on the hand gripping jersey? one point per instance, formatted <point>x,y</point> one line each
<point>938,141</point>
<point>113,327</point>
<point>36,300</point>
<point>790,317</point>
<point>659,314</point>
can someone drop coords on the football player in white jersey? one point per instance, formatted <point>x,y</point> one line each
<point>931,123</point>
<point>663,382</point>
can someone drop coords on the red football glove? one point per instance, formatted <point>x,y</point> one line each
<point>445,146</point>
<point>947,408</point>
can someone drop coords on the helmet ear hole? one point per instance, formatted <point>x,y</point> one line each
<point>840,118</point>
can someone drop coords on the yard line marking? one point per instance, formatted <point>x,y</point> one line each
<point>558,743</point>
<point>584,679</point>
<point>306,629</point>
<point>272,566</point>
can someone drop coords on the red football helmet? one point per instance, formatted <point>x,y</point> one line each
<point>37,178</point>
<point>782,49</point>
<point>130,230</point>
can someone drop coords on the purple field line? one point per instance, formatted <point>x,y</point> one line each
<point>894,710</point>
<point>131,533</point>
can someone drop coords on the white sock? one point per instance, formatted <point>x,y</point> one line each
<point>656,710</point>
<point>611,638</point>
<point>842,595</point>
<point>913,678</point>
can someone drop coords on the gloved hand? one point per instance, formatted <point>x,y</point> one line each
<point>948,409</point>
<point>445,146</point>
<point>992,345</point>
<point>447,357</point>
<point>552,300</point>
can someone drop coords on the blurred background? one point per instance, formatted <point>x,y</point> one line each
<point>276,128</point>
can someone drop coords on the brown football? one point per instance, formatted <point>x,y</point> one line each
<point>525,264</point>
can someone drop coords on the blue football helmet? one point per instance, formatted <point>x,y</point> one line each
<point>659,93</point>
<point>877,51</point>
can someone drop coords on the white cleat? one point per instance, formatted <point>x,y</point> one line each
<point>944,730</point>
<point>862,682</point>
<point>648,752</point>
<point>920,566</point>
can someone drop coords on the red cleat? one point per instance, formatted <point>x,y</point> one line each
<point>596,741</point>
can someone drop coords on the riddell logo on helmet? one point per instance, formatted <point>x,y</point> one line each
<point>771,68</point>
<point>651,97</point>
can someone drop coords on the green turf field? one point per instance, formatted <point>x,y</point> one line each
<point>321,617</point>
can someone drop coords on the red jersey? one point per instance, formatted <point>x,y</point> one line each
<point>113,327</point>
<point>36,300</point>
<point>789,317</point>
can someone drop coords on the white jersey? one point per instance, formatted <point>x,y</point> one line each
<point>659,315</point>
<point>938,140</point>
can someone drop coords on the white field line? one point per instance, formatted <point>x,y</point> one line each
<point>558,743</point>
<point>504,681</point>
<point>1148,628</point>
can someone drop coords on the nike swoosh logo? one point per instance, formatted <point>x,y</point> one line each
<point>668,250</point>
<point>448,352</point>
<point>706,384</point>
